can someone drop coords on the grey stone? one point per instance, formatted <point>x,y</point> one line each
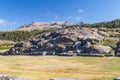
<point>44,53</point>
<point>117,78</point>
<point>19,44</point>
<point>99,49</point>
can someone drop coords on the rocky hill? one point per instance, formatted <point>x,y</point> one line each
<point>66,38</point>
<point>44,25</point>
<point>48,25</point>
<point>68,41</point>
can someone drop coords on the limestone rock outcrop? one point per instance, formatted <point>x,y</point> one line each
<point>76,39</point>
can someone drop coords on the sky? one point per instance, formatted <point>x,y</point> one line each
<point>15,13</point>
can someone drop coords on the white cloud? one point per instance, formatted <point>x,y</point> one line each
<point>80,10</point>
<point>2,21</point>
<point>78,17</point>
<point>7,23</point>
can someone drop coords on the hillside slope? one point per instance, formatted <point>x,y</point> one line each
<point>75,40</point>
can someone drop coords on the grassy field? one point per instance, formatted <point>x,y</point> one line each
<point>44,68</point>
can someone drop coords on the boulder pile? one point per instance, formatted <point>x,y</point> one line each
<point>76,39</point>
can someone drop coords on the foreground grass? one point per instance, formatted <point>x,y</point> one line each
<point>44,68</point>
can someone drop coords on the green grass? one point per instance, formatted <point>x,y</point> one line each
<point>109,42</point>
<point>44,68</point>
<point>4,48</point>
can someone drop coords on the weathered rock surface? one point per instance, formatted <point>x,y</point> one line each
<point>99,49</point>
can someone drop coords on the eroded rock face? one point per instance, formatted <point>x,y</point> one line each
<point>63,40</point>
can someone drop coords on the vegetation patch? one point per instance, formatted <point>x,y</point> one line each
<point>4,48</point>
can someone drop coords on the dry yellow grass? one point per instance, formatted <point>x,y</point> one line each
<point>44,68</point>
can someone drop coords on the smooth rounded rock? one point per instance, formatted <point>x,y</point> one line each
<point>117,78</point>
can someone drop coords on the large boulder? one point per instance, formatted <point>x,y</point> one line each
<point>15,51</point>
<point>59,48</point>
<point>81,45</point>
<point>99,49</point>
<point>86,33</point>
<point>19,44</point>
<point>48,47</point>
<point>52,35</point>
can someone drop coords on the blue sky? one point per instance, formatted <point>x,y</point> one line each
<point>14,13</point>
